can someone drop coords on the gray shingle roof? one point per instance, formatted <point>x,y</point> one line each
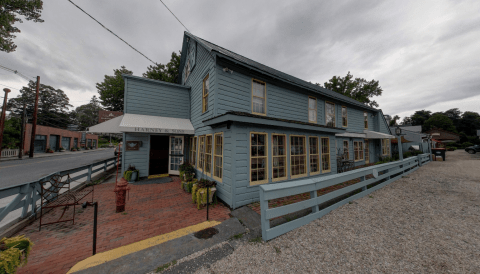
<point>278,74</point>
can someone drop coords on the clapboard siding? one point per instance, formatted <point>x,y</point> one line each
<point>244,193</point>
<point>156,98</point>
<point>140,157</point>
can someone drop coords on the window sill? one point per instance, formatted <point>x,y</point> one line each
<point>218,179</point>
<point>279,179</point>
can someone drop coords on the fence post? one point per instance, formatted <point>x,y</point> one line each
<point>263,210</point>
<point>105,165</point>
<point>89,174</point>
<point>313,195</point>
<point>28,199</point>
<point>361,180</point>
<point>35,196</point>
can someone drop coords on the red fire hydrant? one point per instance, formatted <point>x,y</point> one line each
<point>120,190</point>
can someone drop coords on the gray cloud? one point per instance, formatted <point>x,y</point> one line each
<point>423,53</point>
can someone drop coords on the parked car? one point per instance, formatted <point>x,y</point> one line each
<point>118,149</point>
<point>473,149</point>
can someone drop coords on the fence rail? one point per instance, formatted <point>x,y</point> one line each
<point>9,153</point>
<point>383,174</point>
<point>27,195</point>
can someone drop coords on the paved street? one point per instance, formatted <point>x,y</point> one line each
<point>23,171</point>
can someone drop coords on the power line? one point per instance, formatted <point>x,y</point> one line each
<point>111,31</point>
<point>9,87</point>
<point>16,72</point>
<point>175,16</point>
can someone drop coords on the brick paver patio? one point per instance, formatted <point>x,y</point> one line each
<point>151,210</point>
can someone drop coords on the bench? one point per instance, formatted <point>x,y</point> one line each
<point>52,198</point>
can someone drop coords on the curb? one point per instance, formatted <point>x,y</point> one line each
<point>50,155</point>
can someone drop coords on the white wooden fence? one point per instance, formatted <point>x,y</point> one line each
<point>10,153</point>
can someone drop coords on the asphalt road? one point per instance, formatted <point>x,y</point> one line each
<point>23,171</point>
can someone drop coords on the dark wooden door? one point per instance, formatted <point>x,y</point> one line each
<point>158,155</point>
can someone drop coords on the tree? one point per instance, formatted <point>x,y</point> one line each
<point>167,73</point>
<point>393,122</point>
<point>407,121</point>
<point>112,88</point>
<point>9,14</point>
<point>53,105</point>
<point>358,88</point>
<point>11,132</point>
<point>455,115</point>
<point>420,116</point>
<point>87,115</point>
<point>469,123</point>
<point>439,121</point>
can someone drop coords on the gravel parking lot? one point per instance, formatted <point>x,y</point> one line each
<point>426,222</point>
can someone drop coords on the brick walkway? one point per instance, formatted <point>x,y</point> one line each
<point>151,210</point>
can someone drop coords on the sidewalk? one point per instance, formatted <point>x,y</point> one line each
<point>42,155</point>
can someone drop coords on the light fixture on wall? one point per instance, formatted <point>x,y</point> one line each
<point>228,70</point>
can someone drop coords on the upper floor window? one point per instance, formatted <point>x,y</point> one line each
<point>326,167</point>
<point>259,97</point>
<point>365,120</point>
<point>258,158</point>
<point>312,110</point>
<point>279,157</point>
<point>344,117</point>
<point>358,150</point>
<point>298,156</point>
<point>218,157</point>
<point>314,155</point>
<point>329,114</point>
<point>206,89</point>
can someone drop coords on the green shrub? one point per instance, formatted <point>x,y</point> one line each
<point>14,253</point>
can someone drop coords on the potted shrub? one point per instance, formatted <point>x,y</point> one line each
<point>131,174</point>
<point>199,192</point>
<point>61,149</point>
<point>14,253</point>
<point>49,150</point>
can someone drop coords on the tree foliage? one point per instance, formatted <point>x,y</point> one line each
<point>439,120</point>
<point>469,123</point>
<point>358,88</point>
<point>420,116</point>
<point>10,10</point>
<point>168,72</point>
<point>11,132</point>
<point>53,105</point>
<point>112,89</point>
<point>87,115</point>
<point>394,120</point>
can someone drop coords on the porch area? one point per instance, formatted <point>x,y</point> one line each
<point>151,210</point>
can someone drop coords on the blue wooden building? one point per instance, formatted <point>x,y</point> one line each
<point>243,124</point>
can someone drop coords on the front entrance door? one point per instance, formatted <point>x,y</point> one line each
<point>176,154</point>
<point>54,142</point>
<point>158,155</point>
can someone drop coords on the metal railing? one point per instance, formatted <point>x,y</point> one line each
<point>9,153</point>
<point>382,174</point>
<point>26,196</point>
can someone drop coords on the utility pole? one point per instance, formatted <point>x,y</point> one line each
<point>22,131</point>
<point>2,118</point>
<point>34,123</point>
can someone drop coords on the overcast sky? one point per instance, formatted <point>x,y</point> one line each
<point>426,54</point>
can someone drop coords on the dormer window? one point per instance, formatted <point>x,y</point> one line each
<point>259,97</point>
<point>329,114</point>
<point>312,110</point>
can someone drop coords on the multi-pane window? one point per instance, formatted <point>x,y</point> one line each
<point>208,155</point>
<point>346,153</point>
<point>367,152</point>
<point>385,147</point>
<point>358,150</point>
<point>218,157</point>
<point>258,158</point>
<point>193,150</point>
<point>326,154</point>
<point>365,120</point>
<point>206,89</point>
<point>279,157</point>
<point>314,155</point>
<point>312,110</point>
<point>344,117</point>
<point>298,156</point>
<point>201,153</point>
<point>329,114</point>
<point>259,95</point>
